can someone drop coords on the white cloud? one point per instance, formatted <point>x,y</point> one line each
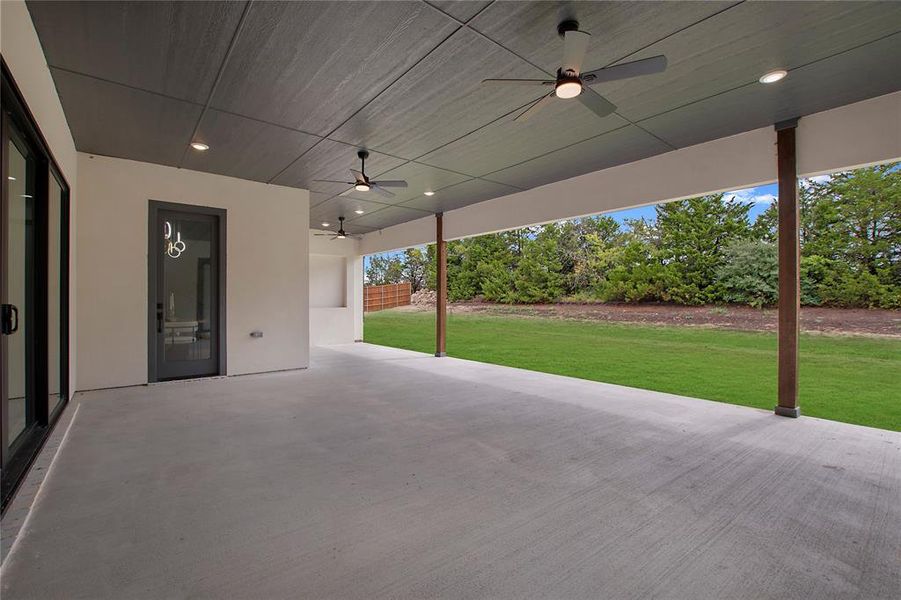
<point>739,194</point>
<point>763,199</point>
<point>751,195</point>
<point>805,183</point>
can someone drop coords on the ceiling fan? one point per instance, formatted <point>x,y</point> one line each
<point>362,183</point>
<point>571,82</point>
<point>340,234</point>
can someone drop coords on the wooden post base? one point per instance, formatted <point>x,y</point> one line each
<point>784,411</point>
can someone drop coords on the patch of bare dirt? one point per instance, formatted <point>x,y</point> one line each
<point>813,319</point>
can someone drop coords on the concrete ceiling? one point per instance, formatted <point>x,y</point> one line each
<point>286,92</point>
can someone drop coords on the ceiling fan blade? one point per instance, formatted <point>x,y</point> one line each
<point>358,176</point>
<point>533,110</point>
<point>324,234</point>
<point>636,68</point>
<point>380,190</point>
<point>596,103</point>
<point>575,45</point>
<point>332,181</point>
<point>517,82</point>
<point>395,183</point>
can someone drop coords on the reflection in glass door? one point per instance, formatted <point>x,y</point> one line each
<point>57,283</point>
<point>185,293</point>
<point>18,290</point>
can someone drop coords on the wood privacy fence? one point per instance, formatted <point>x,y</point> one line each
<point>378,297</point>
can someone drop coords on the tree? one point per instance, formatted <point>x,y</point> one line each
<point>466,275</point>
<point>384,269</point>
<point>414,268</point>
<point>695,251</point>
<point>856,218</point>
<point>496,281</point>
<point>850,238</point>
<point>583,251</point>
<point>537,276</point>
<point>693,235</point>
<point>638,275</point>
<point>644,231</point>
<point>749,273</point>
<point>766,224</point>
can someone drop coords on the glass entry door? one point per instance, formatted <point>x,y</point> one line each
<point>185,292</point>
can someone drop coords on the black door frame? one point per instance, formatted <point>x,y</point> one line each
<point>153,265</point>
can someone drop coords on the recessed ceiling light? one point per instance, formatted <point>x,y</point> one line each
<point>773,76</point>
<point>326,224</point>
<point>429,193</point>
<point>200,146</point>
<point>359,211</point>
<point>10,177</point>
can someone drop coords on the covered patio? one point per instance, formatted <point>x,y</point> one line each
<point>188,192</point>
<point>382,473</point>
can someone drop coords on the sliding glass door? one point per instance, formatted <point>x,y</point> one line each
<point>34,225</point>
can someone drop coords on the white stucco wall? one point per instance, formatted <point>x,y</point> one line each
<point>855,135</point>
<point>330,324</point>
<point>328,281</point>
<point>266,267</point>
<point>24,56</point>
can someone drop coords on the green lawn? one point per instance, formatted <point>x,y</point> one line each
<point>850,379</point>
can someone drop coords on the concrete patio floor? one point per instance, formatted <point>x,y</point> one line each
<point>381,473</point>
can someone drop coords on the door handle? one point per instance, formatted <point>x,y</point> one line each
<point>159,318</point>
<point>9,326</point>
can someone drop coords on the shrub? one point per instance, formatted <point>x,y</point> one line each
<point>749,273</point>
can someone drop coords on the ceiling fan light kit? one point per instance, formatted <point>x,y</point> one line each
<point>568,87</point>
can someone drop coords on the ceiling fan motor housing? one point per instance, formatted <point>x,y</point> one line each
<point>567,25</point>
<point>363,186</point>
<point>567,77</point>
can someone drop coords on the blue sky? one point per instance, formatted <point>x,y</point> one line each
<point>760,197</point>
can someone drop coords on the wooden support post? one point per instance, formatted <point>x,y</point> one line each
<point>441,287</point>
<point>789,269</point>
